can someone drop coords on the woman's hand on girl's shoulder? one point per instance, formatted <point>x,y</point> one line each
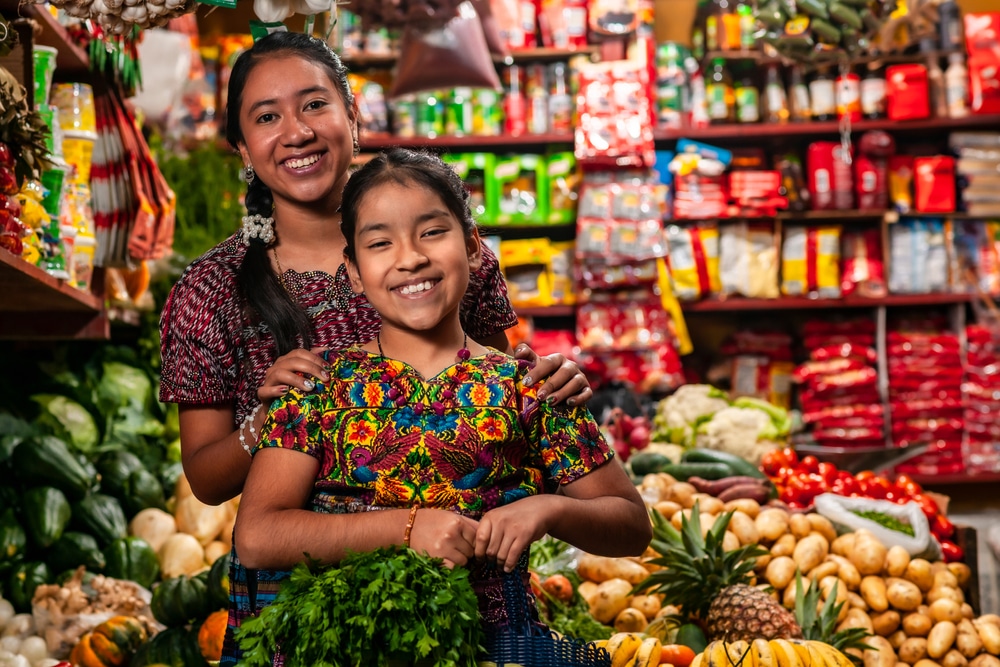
<point>564,381</point>
<point>301,369</point>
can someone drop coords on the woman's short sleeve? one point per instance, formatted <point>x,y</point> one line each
<point>567,440</point>
<point>199,339</point>
<point>486,309</point>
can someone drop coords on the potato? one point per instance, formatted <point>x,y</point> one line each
<point>846,571</point>
<point>945,578</point>
<point>843,545</point>
<point>785,546</point>
<point>822,525</point>
<point>941,639</point>
<point>886,622</point>
<point>967,611</point>
<point>788,595</point>
<point>945,610</point>
<point>881,653</point>
<point>856,619</point>
<point>743,526</point>
<point>649,605</point>
<point>868,554</point>
<point>917,624</point>
<point>711,505</point>
<point>780,572</point>
<point>826,585</point>
<point>896,639</point>
<point>630,620</point>
<point>990,618</point>
<point>857,601</point>
<point>913,649</point>
<point>896,560</point>
<point>985,660</point>
<point>937,566</point>
<point>873,590</point>
<point>926,663</point>
<point>602,568</point>
<point>954,658</point>
<point>945,593</point>
<point>968,643</point>
<point>902,594</point>
<point>667,507</point>
<point>826,569</point>
<point>961,572</point>
<point>810,551</point>
<point>761,562</point>
<point>990,634</point>
<point>677,518</point>
<point>610,599</point>
<point>919,572</point>
<point>799,525</point>
<point>772,523</point>
<point>587,590</point>
<point>730,542</point>
<point>682,493</point>
<point>748,506</point>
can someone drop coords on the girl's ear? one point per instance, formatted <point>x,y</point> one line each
<point>474,247</point>
<point>352,272</point>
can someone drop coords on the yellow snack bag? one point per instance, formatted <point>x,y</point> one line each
<point>526,264</point>
<point>810,262</point>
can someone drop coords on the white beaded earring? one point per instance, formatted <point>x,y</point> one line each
<point>257,226</point>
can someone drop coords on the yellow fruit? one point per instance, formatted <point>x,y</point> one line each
<point>739,653</point>
<point>762,653</point>
<point>716,654</point>
<point>622,646</point>
<point>783,654</point>
<point>648,654</point>
<point>833,656</point>
<point>699,661</point>
<point>802,651</point>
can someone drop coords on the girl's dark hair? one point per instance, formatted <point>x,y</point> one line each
<point>259,283</point>
<point>404,166</point>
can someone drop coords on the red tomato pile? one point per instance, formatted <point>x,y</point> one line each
<point>799,481</point>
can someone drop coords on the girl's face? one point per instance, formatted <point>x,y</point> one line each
<point>297,133</point>
<point>412,257</point>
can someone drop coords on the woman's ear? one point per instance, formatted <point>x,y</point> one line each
<point>352,272</point>
<point>244,153</point>
<point>474,247</point>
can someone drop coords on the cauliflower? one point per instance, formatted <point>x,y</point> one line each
<point>678,415</point>
<point>740,431</point>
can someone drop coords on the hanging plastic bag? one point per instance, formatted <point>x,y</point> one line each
<point>491,31</point>
<point>453,55</point>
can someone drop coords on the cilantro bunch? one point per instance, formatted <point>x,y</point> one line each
<point>376,608</point>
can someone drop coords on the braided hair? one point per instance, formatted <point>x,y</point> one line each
<point>260,285</point>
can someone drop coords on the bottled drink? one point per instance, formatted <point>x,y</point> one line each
<point>719,93</point>
<point>949,25</point>
<point>515,113</point>
<point>775,99</point>
<point>537,94</point>
<point>935,88</point>
<point>801,107</point>
<point>849,96</point>
<point>671,80</point>
<point>823,96</point>
<point>873,93</point>
<point>747,101</point>
<point>560,100</point>
<point>956,86</point>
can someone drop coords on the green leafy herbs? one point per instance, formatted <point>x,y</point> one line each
<point>387,605</point>
<point>886,521</point>
<point>550,556</point>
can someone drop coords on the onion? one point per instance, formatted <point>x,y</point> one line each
<point>34,649</point>
<point>6,612</point>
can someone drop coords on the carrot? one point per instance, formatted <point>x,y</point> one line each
<point>559,587</point>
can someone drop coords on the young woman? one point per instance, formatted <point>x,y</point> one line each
<point>434,430</point>
<point>246,320</point>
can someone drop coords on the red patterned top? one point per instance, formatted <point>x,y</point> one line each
<point>213,353</point>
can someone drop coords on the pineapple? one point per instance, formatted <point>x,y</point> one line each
<point>712,586</point>
<point>820,623</point>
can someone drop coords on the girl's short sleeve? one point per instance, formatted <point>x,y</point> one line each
<point>199,339</point>
<point>567,440</point>
<point>294,422</point>
<point>486,309</point>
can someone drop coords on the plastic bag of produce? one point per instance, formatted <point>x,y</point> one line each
<point>884,519</point>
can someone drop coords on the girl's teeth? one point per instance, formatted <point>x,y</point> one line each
<point>413,289</point>
<point>304,162</point>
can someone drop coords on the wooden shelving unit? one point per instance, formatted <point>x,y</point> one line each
<point>737,304</point>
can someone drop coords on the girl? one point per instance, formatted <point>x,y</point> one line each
<point>437,431</point>
<point>247,319</point>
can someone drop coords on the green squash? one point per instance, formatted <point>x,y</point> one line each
<point>13,539</point>
<point>181,600</point>
<point>133,559</point>
<point>115,468</point>
<point>143,490</point>
<point>101,516</point>
<point>218,582</point>
<point>74,549</point>
<point>22,582</point>
<point>176,647</point>
<point>47,460</point>
<point>45,515</point>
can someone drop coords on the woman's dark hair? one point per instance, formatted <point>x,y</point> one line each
<point>404,166</point>
<point>260,285</point>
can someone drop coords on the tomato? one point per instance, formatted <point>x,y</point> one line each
<point>536,585</point>
<point>828,472</point>
<point>906,484</point>
<point>864,474</point>
<point>875,487</point>
<point>942,528</point>
<point>927,505</point>
<point>677,655</point>
<point>790,455</point>
<point>809,464</point>
<point>772,462</point>
<point>559,587</point>
<point>805,486</point>
<point>951,551</point>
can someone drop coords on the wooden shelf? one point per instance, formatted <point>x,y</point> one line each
<point>375,142</point>
<point>539,55</point>
<point>71,61</point>
<point>35,305</point>
<point>737,304</point>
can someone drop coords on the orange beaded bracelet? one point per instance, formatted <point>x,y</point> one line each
<point>409,525</point>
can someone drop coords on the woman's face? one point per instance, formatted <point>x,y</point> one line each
<point>413,258</point>
<point>297,133</point>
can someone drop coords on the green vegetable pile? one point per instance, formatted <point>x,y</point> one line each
<point>375,609</point>
<point>890,522</point>
<point>573,618</point>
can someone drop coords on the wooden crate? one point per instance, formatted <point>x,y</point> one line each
<point>965,537</point>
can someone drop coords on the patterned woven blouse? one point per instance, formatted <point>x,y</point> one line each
<point>470,439</point>
<point>212,354</point>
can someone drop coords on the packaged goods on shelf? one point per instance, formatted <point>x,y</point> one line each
<point>984,59</point>
<point>527,267</point>
<point>978,169</point>
<point>974,262</point>
<point>981,397</point>
<point>810,261</point>
<point>756,364</point>
<point>519,182</point>
<point>831,181</point>
<point>748,259</point>
<point>694,260</point>
<point>934,184</point>
<point>476,170</point>
<point>863,268</point>
<point>918,257</point>
<point>373,113</point>
<point>871,170</point>
<point>614,112</point>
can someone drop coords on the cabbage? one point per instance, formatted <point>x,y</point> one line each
<point>67,420</point>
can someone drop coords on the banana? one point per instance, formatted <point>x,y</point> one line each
<point>739,654</point>
<point>833,656</point>
<point>805,658</point>
<point>817,658</point>
<point>699,661</point>
<point>716,654</point>
<point>622,647</point>
<point>783,653</point>
<point>600,643</point>
<point>762,653</point>
<point>648,654</point>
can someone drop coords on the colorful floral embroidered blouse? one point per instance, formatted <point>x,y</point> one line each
<point>470,439</point>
